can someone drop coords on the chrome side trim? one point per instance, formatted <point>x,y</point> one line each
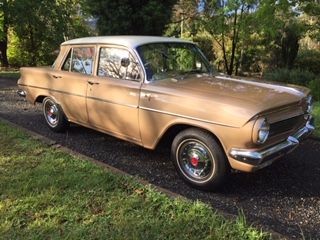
<point>112,102</point>
<point>53,90</point>
<point>265,157</point>
<point>184,116</point>
<point>78,95</point>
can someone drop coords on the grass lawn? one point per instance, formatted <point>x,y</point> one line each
<point>10,74</point>
<point>316,114</point>
<point>48,194</point>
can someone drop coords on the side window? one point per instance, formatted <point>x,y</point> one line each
<point>79,59</point>
<point>118,63</point>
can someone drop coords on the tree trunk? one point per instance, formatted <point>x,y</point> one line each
<point>32,48</point>
<point>4,40</point>
<point>235,37</point>
<point>234,44</point>
<point>3,53</point>
<point>226,65</point>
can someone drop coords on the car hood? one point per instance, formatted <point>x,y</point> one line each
<point>239,99</point>
<point>260,95</point>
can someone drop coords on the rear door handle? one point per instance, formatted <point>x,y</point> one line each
<point>147,96</point>
<point>92,82</point>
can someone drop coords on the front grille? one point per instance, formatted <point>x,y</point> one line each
<point>286,125</point>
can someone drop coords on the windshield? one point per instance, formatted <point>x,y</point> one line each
<point>170,60</point>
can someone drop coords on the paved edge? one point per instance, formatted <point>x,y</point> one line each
<point>172,195</point>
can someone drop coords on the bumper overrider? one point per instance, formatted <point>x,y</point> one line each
<point>263,158</point>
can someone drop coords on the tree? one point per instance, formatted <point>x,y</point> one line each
<point>281,30</point>
<point>48,23</point>
<point>185,19</point>
<point>246,35</point>
<point>139,17</point>
<point>4,26</point>
<point>226,21</point>
<point>312,9</point>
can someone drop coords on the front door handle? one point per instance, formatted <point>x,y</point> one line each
<point>56,76</point>
<point>92,82</point>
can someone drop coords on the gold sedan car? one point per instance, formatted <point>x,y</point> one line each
<point>144,89</point>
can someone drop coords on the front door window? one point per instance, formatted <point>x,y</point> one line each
<point>118,63</point>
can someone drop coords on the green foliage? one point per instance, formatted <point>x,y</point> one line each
<point>227,22</point>
<point>316,115</point>
<point>3,9</point>
<point>4,26</point>
<point>281,30</point>
<point>18,54</point>
<point>246,35</point>
<point>185,20</point>
<point>239,35</point>
<point>294,76</point>
<point>205,44</point>
<point>312,10</point>
<point>289,43</point>
<point>314,86</point>
<point>12,74</point>
<point>48,194</point>
<point>34,36</point>
<point>56,19</point>
<point>309,60</point>
<point>126,17</point>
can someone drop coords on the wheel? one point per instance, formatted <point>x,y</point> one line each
<point>199,159</point>
<point>54,115</point>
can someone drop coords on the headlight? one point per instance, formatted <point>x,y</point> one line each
<point>261,131</point>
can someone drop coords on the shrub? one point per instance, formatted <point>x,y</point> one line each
<point>314,86</point>
<point>297,76</point>
<point>308,60</point>
<point>294,76</point>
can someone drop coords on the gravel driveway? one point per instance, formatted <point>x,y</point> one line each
<point>284,197</point>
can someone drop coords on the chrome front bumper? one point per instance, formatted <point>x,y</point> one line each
<point>263,158</point>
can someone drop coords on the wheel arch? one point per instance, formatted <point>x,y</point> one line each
<point>40,98</point>
<point>172,130</point>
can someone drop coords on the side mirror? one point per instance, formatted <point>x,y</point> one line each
<point>125,62</point>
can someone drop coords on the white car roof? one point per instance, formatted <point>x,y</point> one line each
<point>127,41</point>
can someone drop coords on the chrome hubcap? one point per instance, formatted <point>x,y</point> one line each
<point>51,113</point>
<point>195,160</point>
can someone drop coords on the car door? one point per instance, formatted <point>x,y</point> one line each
<point>113,94</point>
<point>70,82</point>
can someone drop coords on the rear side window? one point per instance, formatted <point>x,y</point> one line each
<point>79,59</point>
